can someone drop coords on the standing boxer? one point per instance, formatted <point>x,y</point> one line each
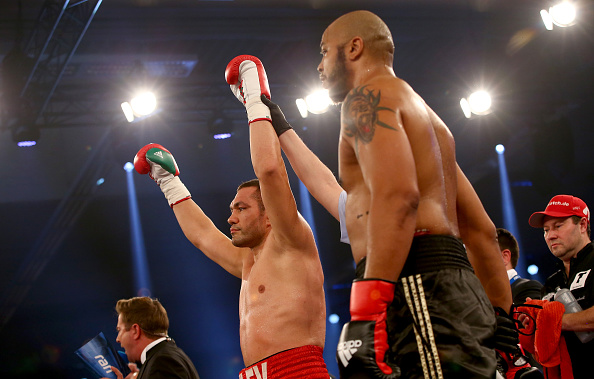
<point>272,249</point>
<point>417,307</point>
<point>474,223</point>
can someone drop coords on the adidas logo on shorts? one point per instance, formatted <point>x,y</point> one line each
<point>346,349</point>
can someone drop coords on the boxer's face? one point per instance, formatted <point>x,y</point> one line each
<point>248,222</point>
<point>332,68</point>
<point>562,237</point>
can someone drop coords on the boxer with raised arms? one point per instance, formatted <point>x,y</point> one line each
<point>272,248</point>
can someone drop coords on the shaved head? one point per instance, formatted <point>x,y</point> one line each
<point>369,27</point>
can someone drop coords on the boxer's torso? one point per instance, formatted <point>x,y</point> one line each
<point>434,158</point>
<point>281,303</point>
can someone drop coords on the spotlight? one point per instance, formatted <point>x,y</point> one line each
<point>318,102</point>
<point>141,106</point>
<point>128,166</point>
<point>500,149</point>
<point>546,19</point>
<point>144,104</point>
<point>25,135</point>
<point>478,102</point>
<point>465,107</point>
<point>302,107</point>
<point>128,112</point>
<point>562,15</point>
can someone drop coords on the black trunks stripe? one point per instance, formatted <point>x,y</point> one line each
<point>415,298</point>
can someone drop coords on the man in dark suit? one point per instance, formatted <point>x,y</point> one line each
<point>142,332</point>
<point>510,252</point>
<point>521,288</point>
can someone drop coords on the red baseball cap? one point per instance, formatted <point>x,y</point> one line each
<point>561,206</point>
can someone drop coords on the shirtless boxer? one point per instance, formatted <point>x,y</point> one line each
<point>421,200</point>
<point>476,228</point>
<point>401,178</point>
<point>272,249</point>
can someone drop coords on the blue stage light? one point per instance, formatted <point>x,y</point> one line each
<point>507,206</point>
<point>222,136</point>
<point>142,280</point>
<point>26,143</point>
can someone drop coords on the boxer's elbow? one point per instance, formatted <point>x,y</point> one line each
<point>404,204</point>
<point>483,230</point>
<point>408,197</point>
<point>269,168</point>
<point>410,201</point>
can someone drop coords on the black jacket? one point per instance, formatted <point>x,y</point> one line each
<point>523,288</point>
<point>581,283</point>
<point>166,361</point>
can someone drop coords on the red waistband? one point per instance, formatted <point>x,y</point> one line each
<point>301,362</point>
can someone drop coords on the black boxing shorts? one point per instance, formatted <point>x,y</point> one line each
<point>301,362</point>
<point>440,318</point>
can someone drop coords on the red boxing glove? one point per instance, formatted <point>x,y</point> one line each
<point>516,366</point>
<point>156,154</point>
<point>246,76</point>
<point>156,161</point>
<point>364,340</point>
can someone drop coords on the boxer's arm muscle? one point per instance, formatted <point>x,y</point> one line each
<point>386,161</point>
<point>203,234</point>
<point>314,174</point>
<point>287,224</point>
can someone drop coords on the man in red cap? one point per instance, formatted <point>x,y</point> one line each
<point>566,225</point>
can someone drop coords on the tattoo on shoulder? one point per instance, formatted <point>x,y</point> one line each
<point>360,114</point>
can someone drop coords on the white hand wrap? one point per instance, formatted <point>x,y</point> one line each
<point>257,110</point>
<point>174,190</point>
